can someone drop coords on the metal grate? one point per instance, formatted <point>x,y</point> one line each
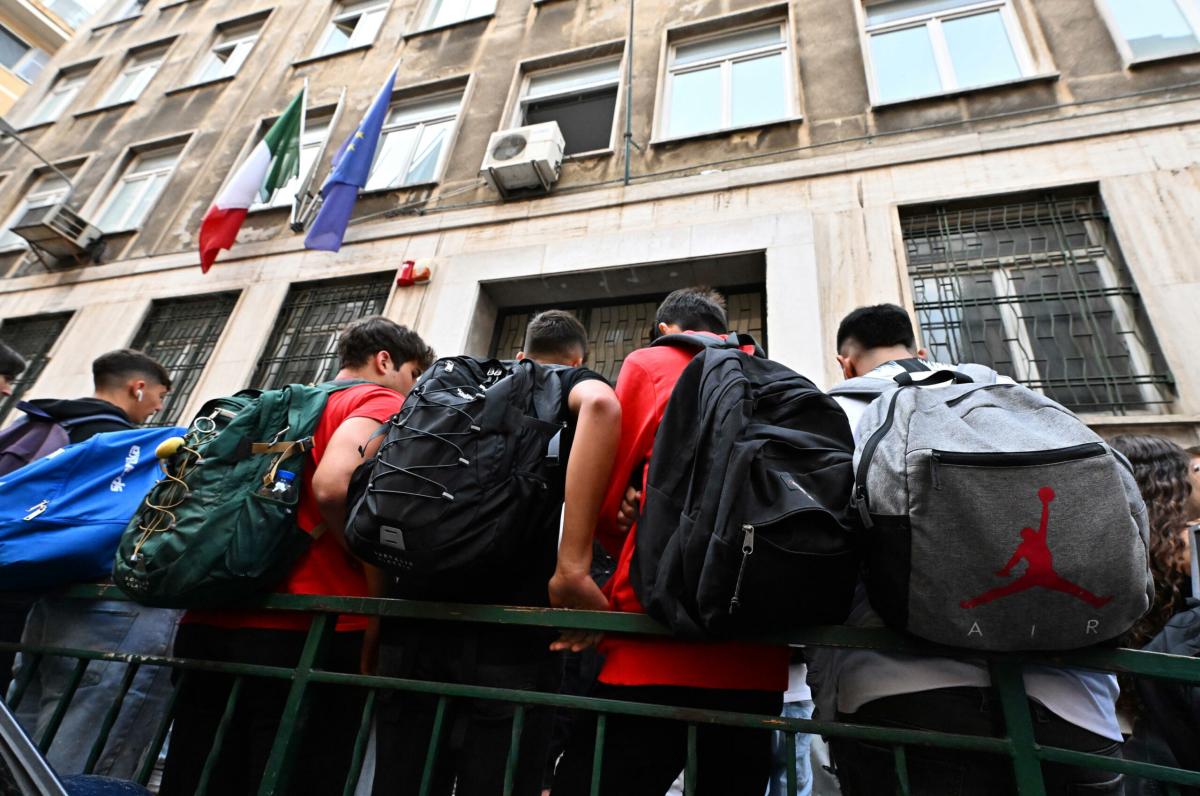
<point>1039,291</point>
<point>303,345</point>
<point>181,334</point>
<point>32,338</point>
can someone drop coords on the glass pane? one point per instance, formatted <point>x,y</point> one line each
<point>882,13</point>
<point>32,65</point>
<point>9,239</point>
<point>904,64</point>
<point>413,112</point>
<point>477,8</point>
<point>586,121</point>
<point>53,105</point>
<point>545,84</point>
<point>336,38</point>
<point>367,27</point>
<point>11,48</point>
<point>445,12</point>
<point>237,57</point>
<point>118,207</point>
<point>152,161</point>
<point>1154,28</point>
<point>391,158</point>
<point>287,192</point>
<point>147,200</point>
<point>210,69</point>
<point>980,50</point>
<point>425,159</point>
<point>759,92</point>
<point>695,102</point>
<point>727,45</point>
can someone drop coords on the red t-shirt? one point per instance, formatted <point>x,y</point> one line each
<point>647,377</point>
<point>325,568</point>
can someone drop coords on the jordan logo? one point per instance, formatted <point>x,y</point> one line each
<point>1039,571</point>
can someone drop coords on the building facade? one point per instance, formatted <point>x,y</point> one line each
<point>1021,174</point>
<point>31,31</point>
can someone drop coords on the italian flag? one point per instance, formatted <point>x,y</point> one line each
<point>274,161</point>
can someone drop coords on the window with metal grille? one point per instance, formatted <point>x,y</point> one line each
<point>181,334</point>
<point>303,346</point>
<point>1037,288</point>
<point>32,338</point>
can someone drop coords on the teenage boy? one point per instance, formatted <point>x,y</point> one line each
<point>1072,708</point>
<point>642,755</point>
<point>11,365</point>
<point>389,357</point>
<point>474,746</point>
<point>12,608</point>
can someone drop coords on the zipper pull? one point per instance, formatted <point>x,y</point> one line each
<point>747,551</point>
<point>36,511</point>
<point>860,503</point>
<point>934,466</point>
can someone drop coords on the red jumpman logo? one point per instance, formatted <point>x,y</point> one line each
<point>1040,567</point>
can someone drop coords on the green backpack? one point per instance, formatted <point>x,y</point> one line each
<point>207,534</point>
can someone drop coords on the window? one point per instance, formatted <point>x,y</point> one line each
<point>32,338</point>
<point>1155,28</point>
<point>127,9</point>
<point>735,80</point>
<point>12,48</point>
<point>61,95</point>
<point>139,71</point>
<point>582,99</point>
<point>138,190</point>
<point>302,348</point>
<point>447,12</point>
<point>228,54</point>
<point>181,334</point>
<point>414,142</point>
<point>921,48</point>
<point>316,130</point>
<point>354,25</point>
<point>1038,290</point>
<point>72,12</point>
<point>48,190</point>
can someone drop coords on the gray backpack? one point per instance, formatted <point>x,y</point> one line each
<point>993,518</point>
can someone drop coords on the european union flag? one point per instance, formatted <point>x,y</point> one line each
<point>351,167</point>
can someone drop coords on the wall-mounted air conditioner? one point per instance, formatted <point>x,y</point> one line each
<point>59,236</point>
<point>524,158</point>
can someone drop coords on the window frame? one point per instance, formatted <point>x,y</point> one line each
<point>785,46</point>
<point>366,7</point>
<point>128,9</point>
<point>20,40</point>
<point>328,115</point>
<point>26,203</point>
<point>933,20</point>
<point>516,115</point>
<point>427,15</point>
<point>230,38</point>
<point>128,174</point>
<point>419,125</point>
<point>151,59</point>
<point>1190,10</point>
<point>69,81</point>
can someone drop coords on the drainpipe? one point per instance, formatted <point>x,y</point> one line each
<point>629,92</point>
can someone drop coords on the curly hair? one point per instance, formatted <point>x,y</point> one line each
<point>1160,468</point>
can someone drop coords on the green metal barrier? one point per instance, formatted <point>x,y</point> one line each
<point>1018,744</point>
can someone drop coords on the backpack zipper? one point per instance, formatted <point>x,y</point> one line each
<point>37,511</point>
<point>747,551</point>
<point>1074,453</point>
<point>864,462</point>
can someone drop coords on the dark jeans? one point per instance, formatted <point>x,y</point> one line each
<point>334,713</point>
<point>13,610</point>
<point>643,756</point>
<point>476,734</point>
<point>869,769</point>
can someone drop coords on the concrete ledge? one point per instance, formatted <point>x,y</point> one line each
<point>312,59</point>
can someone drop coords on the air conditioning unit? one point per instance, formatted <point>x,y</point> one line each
<point>60,234</point>
<point>524,158</point>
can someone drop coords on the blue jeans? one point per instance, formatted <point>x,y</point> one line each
<point>778,786</point>
<point>109,626</point>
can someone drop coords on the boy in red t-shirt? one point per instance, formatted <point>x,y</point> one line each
<point>643,755</point>
<point>389,357</point>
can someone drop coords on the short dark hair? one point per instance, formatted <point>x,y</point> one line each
<point>117,367</point>
<point>366,337</point>
<point>555,333</point>
<point>877,326</point>
<point>11,363</point>
<point>694,309</point>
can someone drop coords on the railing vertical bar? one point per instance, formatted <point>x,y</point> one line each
<point>689,773</point>
<point>360,745</point>
<point>64,702</point>
<point>901,754</point>
<point>160,734</point>
<point>514,750</point>
<point>26,677</point>
<point>110,717</point>
<point>435,737</point>
<point>598,754</point>
<point>214,754</point>
<point>1009,682</point>
<point>789,751</point>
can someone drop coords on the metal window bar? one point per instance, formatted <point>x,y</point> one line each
<point>32,338</point>
<point>181,334</point>
<point>302,348</point>
<point>1039,291</point>
<point>1018,744</point>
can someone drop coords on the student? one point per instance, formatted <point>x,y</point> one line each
<point>129,387</point>
<point>1071,708</point>
<point>389,357</point>
<point>474,747</point>
<point>11,366</point>
<point>641,755</point>
<point>12,608</point>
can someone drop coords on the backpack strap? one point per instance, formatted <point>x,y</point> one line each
<point>700,342</point>
<point>913,365</point>
<point>72,422</point>
<point>939,377</point>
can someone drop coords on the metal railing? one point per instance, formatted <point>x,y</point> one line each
<point>1018,744</point>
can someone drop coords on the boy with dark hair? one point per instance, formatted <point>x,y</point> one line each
<point>641,755</point>
<point>11,365</point>
<point>474,751</point>
<point>388,358</point>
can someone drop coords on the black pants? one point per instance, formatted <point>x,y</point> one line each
<point>476,734</point>
<point>334,714</point>
<point>643,756</point>
<point>13,610</point>
<point>868,769</point>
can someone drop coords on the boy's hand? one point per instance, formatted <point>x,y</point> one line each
<point>627,514</point>
<point>577,591</point>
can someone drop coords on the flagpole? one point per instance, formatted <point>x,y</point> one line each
<point>303,127</point>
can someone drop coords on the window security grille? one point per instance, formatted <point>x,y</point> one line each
<point>181,334</point>
<point>32,338</point>
<point>1039,291</point>
<point>303,346</point>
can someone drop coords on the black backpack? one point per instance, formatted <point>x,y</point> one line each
<point>744,528</point>
<point>466,482</point>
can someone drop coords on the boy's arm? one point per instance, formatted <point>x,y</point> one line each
<point>639,421</point>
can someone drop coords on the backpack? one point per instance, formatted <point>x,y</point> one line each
<point>1172,708</point>
<point>466,480</point>
<point>38,434</point>
<point>984,505</point>
<point>744,526</point>
<point>61,516</point>
<point>209,533</point>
